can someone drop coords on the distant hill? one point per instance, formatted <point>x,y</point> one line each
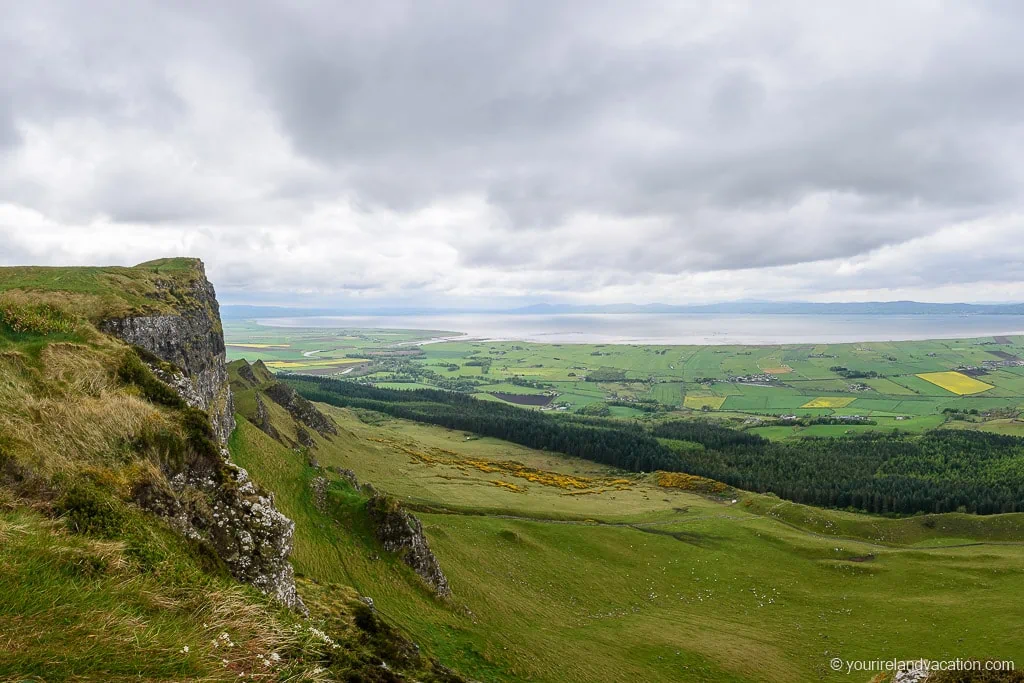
<point>789,308</point>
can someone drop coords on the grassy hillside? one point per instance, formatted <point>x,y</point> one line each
<point>129,605</point>
<point>92,587</point>
<point>565,570</point>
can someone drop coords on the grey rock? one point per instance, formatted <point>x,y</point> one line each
<point>915,675</point>
<point>347,474</point>
<point>193,341</point>
<point>301,409</point>
<point>263,420</point>
<point>246,373</point>
<point>304,437</point>
<point>400,532</point>
<point>319,486</point>
<point>210,499</point>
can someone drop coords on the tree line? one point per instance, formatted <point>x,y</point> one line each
<point>610,442</point>
<point>940,471</point>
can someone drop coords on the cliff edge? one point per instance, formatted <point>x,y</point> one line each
<point>189,335</point>
<point>158,425</point>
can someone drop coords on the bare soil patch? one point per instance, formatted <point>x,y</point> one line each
<point>862,558</point>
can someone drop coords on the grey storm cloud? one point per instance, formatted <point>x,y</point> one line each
<point>453,147</point>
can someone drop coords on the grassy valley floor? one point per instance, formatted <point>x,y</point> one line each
<point>563,570</point>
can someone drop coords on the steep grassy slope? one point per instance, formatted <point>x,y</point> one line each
<point>136,603</point>
<point>109,566</point>
<point>559,575</point>
<point>89,585</point>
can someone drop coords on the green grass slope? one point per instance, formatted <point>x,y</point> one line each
<point>137,605</point>
<point>564,570</point>
<point>91,586</point>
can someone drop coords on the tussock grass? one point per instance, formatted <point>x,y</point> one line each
<point>74,606</point>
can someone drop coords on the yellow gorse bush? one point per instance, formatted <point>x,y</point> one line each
<point>508,486</point>
<point>689,482</point>
<point>569,483</point>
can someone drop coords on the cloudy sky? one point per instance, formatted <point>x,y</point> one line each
<point>453,153</point>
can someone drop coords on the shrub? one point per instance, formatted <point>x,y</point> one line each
<point>199,432</point>
<point>87,511</point>
<point>132,371</point>
<point>161,441</point>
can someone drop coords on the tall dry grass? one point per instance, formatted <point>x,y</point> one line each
<point>65,411</point>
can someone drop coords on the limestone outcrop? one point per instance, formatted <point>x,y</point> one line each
<point>209,499</point>
<point>302,410</point>
<point>192,340</point>
<point>400,532</point>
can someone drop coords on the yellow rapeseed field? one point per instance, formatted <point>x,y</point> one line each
<point>957,382</point>
<point>829,402</point>
<point>292,364</point>
<point>698,402</point>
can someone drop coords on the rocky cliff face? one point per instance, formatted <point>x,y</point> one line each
<point>402,533</point>
<point>192,340</point>
<point>302,410</point>
<point>209,498</point>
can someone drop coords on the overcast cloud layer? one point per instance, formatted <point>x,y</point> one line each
<point>444,152</point>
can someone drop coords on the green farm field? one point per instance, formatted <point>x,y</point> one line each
<point>570,571</point>
<point>775,389</point>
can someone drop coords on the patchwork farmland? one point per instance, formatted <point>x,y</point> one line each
<point>778,391</point>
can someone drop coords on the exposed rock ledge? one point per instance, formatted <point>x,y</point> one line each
<point>210,499</point>
<point>402,533</point>
<point>302,410</point>
<point>193,341</point>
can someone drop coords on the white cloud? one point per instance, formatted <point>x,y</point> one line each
<point>454,151</point>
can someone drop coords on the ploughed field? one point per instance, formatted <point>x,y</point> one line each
<point>779,391</point>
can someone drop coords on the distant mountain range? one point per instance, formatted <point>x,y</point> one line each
<point>245,312</point>
<point>790,308</point>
